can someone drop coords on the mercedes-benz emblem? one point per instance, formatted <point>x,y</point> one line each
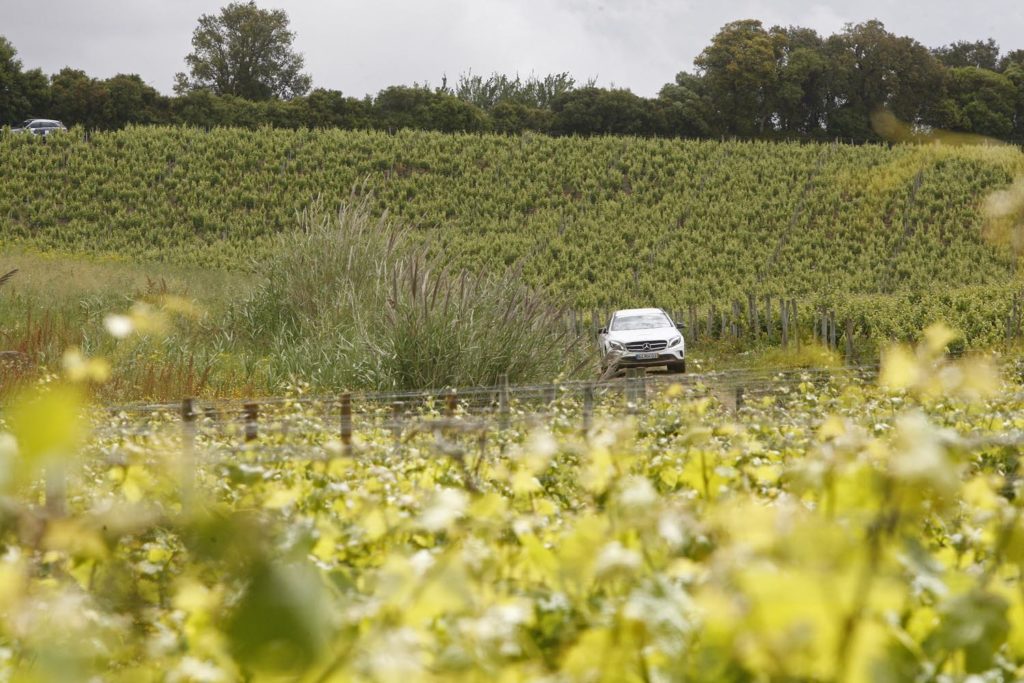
<point>647,347</point>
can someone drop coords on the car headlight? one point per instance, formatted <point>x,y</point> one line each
<point>616,346</point>
<point>674,341</point>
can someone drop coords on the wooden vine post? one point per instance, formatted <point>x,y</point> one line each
<point>346,423</point>
<point>588,410</point>
<point>187,464</point>
<point>252,424</point>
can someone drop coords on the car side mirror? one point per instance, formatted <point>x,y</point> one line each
<point>603,330</point>
<point>680,326</point>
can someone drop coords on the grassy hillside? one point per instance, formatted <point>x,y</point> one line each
<point>598,222</point>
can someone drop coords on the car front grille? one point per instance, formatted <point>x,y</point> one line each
<point>641,346</point>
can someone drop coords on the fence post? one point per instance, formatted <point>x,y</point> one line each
<point>755,323</point>
<point>346,423</point>
<point>503,404</point>
<point>784,313</point>
<point>396,422</point>
<point>187,472</point>
<point>588,410</point>
<point>450,403</point>
<point>832,330</point>
<point>848,334</point>
<point>796,325</point>
<point>768,317</point>
<point>252,416</point>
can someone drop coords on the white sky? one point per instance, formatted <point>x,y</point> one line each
<point>362,47</point>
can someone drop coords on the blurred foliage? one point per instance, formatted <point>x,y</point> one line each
<point>836,531</point>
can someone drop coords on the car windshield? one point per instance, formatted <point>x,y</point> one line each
<point>640,321</point>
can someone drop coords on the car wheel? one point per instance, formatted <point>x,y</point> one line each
<point>677,367</point>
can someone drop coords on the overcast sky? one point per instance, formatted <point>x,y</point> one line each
<point>362,47</point>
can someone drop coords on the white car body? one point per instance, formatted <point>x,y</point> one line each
<point>39,127</point>
<point>642,337</point>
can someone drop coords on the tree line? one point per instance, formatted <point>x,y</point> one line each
<point>749,82</point>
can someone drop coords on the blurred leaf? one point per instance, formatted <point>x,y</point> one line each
<point>281,623</point>
<point>48,422</point>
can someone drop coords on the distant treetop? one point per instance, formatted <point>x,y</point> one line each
<point>244,51</point>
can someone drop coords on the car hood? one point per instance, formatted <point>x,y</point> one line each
<point>627,336</point>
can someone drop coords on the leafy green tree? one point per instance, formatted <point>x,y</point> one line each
<point>12,102</point>
<point>983,54</point>
<point>246,52</point>
<point>22,93</point>
<point>1015,74</point>
<point>199,108</point>
<point>130,100</point>
<point>872,69</point>
<point>597,111</point>
<point>331,109</point>
<point>685,109</point>
<point>978,101</point>
<point>740,74</point>
<point>497,88</point>
<point>515,117</point>
<point>1011,58</point>
<point>420,107</point>
<point>77,98</point>
<point>799,96</point>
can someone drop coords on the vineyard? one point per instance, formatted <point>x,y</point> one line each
<point>598,222</point>
<point>830,522</point>
<point>834,526</point>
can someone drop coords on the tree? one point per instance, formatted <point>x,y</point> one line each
<point>425,109</point>
<point>978,101</point>
<point>684,108</point>
<point>514,118</point>
<point>1011,58</point>
<point>1015,73</point>
<point>246,52</point>
<point>131,100</point>
<point>983,54</point>
<point>800,92</point>
<point>499,88</point>
<point>22,93</point>
<point>331,109</point>
<point>77,98</point>
<point>871,69</point>
<point>739,73</point>
<point>596,111</point>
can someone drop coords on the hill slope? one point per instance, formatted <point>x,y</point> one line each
<point>599,222</point>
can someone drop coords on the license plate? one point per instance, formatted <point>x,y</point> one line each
<point>646,356</point>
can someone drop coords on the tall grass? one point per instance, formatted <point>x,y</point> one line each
<point>56,302</point>
<point>349,301</point>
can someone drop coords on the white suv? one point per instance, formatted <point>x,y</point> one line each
<point>39,127</point>
<point>642,337</point>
